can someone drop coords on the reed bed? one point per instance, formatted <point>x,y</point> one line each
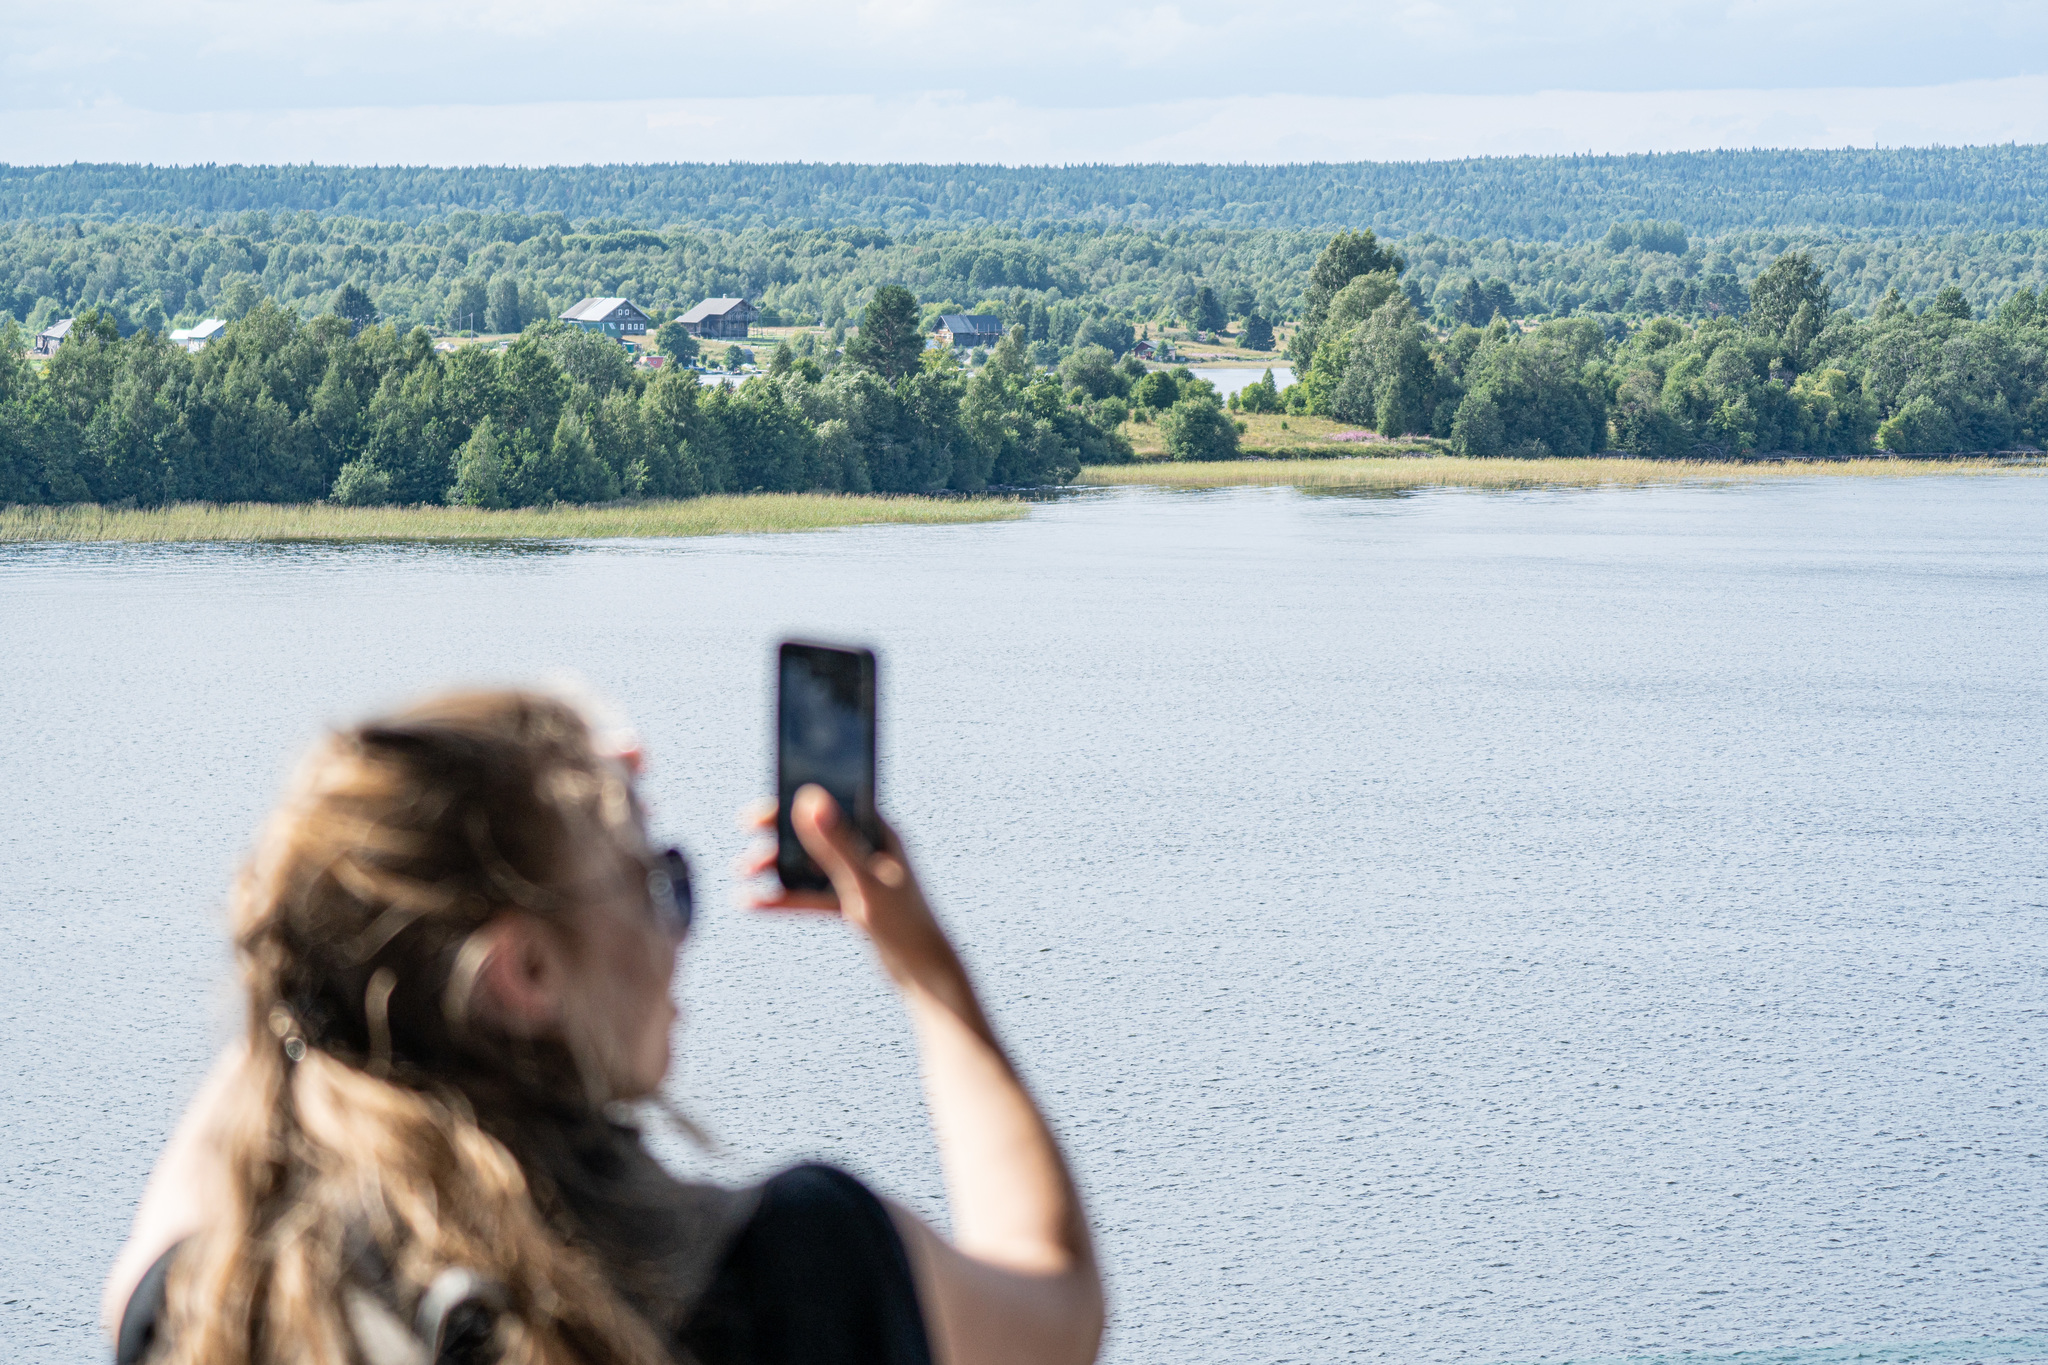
<point>707,516</point>
<point>1450,471</point>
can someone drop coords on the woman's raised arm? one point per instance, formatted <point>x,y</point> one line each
<point>1018,1284</point>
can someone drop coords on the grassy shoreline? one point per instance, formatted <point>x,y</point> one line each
<point>707,516</point>
<point>755,513</point>
<point>1450,471</point>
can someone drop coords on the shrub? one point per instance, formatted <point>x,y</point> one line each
<point>1477,430</point>
<point>361,484</point>
<point>1196,428</point>
<point>1922,427</point>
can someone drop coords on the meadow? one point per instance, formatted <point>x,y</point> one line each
<point>318,521</point>
<point>1268,435</point>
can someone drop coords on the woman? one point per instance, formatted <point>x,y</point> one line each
<point>457,947</point>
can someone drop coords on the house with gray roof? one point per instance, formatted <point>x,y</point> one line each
<point>720,319</point>
<point>619,319</point>
<point>195,338</point>
<point>50,338</point>
<point>968,329</point>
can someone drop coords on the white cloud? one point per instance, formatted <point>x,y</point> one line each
<point>955,127</point>
<point>1043,80</point>
<point>188,55</point>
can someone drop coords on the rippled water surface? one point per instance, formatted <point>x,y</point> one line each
<point>1460,927</point>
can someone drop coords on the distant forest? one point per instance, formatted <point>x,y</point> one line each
<point>1542,199</point>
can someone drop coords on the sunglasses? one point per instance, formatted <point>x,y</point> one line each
<point>668,888</point>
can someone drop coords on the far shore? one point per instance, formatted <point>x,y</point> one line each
<point>1451,471</point>
<point>318,521</point>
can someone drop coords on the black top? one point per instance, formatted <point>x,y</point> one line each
<point>817,1277</point>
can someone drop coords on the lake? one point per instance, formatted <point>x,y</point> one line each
<point>1476,927</point>
<point>1229,379</point>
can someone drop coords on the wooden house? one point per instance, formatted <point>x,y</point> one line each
<point>968,330</point>
<point>50,338</point>
<point>619,319</point>
<point>720,319</point>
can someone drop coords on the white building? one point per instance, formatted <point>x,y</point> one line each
<point>195,338</point>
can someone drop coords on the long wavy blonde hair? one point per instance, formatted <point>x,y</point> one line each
<point>374,1109</point>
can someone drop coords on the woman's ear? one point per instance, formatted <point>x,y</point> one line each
<point>523,977</point>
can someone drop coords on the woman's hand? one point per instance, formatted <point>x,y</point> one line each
<point>1018,1284</point>
<point>872,889</point>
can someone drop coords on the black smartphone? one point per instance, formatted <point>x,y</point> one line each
<point>824,733</point>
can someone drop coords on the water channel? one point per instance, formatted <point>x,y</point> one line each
<point>1459,927</point>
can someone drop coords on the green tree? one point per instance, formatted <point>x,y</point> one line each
<point>1641,424</point>
<point>1349,255</point>
<point>1262,395</point>
<point>567,470</point>
<point>1197,428</point>
<point>361,484</point>
<point>890,341</point>
<point>674,340</point>
<point>1012,355</point>
<point>591,358</point>
<point>480,469</point>
<point>505,314</point>
<point>1950,303</point>
<point>669,416</point>
<point>1921,427</point>
<point>2023,309</point>
<point>1092,370</point>
<point>530,388</point>
<point>1258,334</point>
<point>1388,378</point>
<point>1836,418</point>
<point>1208,311</point>
<point>1114,334</point>
<point>1158,390</point>
<point>241,294</point>
<point>1478,431</point>
<point>469,305</point>
<point>351,303</point>
<point>1793,282</point>
<point>1540,387</point>
<point>770,440</point>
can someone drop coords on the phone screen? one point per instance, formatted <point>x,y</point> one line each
<point>824,733</point>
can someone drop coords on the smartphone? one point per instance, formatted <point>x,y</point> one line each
<point>824,733</point>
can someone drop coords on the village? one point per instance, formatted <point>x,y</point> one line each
<point>731,321</point>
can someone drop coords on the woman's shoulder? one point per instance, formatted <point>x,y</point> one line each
<point>137,1334</point>
<point>818,1274</point>
<point>815,1196</point>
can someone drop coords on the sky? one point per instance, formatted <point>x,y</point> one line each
<point>449,82</point>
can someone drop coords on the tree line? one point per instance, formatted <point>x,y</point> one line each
<point>287,409</point>
<point>1792,373</point>
<point>499,272</point>
<point>1532,198</point>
